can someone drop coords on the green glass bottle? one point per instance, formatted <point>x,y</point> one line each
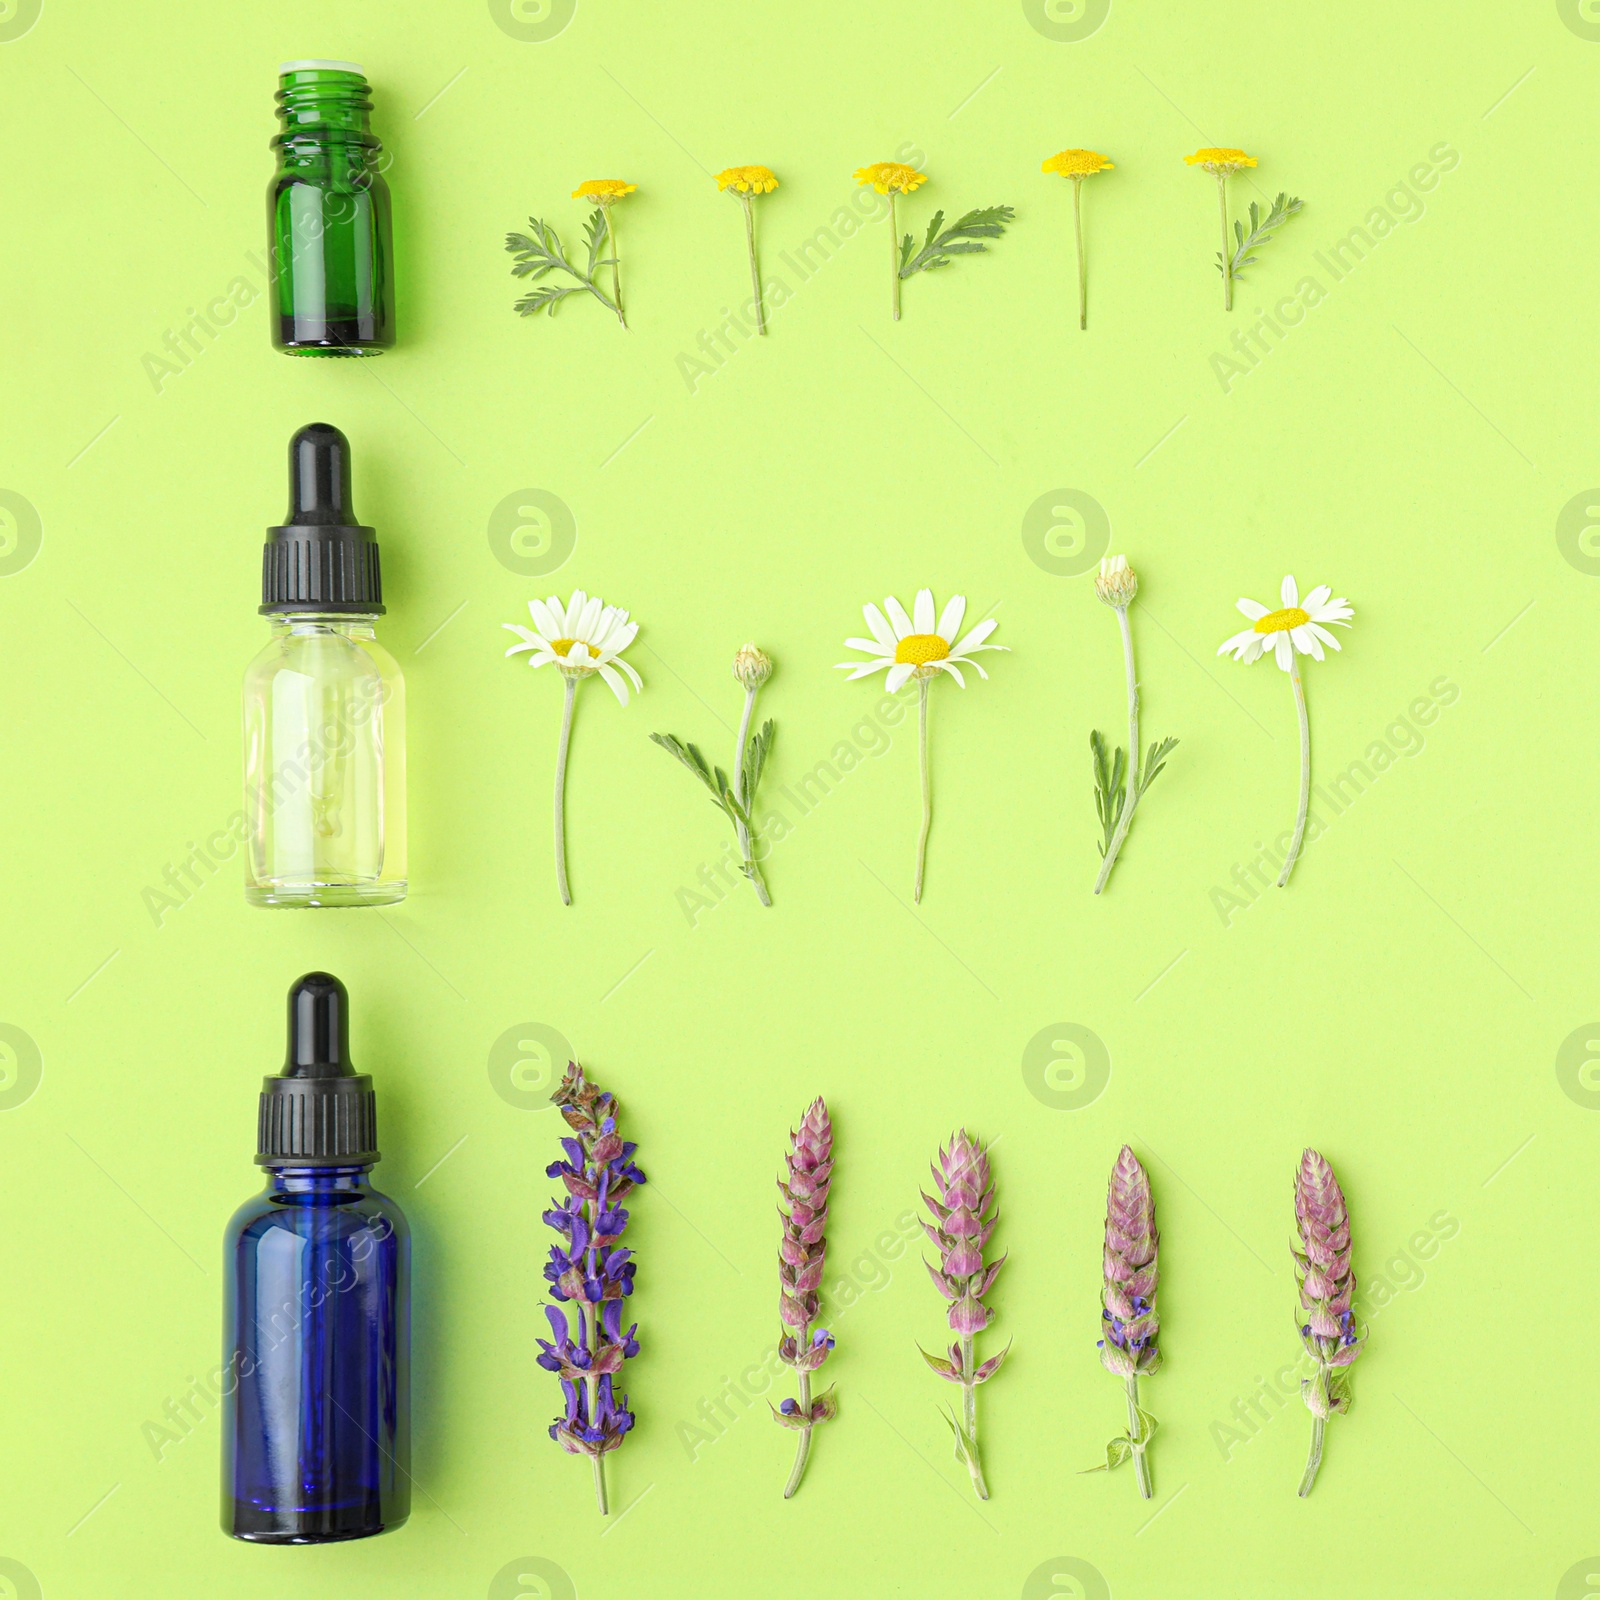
<point>328,217</point>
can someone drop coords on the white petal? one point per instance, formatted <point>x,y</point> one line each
<point>569,620</point>
<point>976,667</point>
<point>898,617</point>
<point>610,618</point>
<point>1317,597</point>
<point>1253,609</point>
<point>950,618</point>
<point>861,669</point>
<point>616,685</point>
<point>532,638</point>
<point>976,637</point>
<point>1335,611</point>
<point>880,630</point>
<point>1283,648</point>
<point>1290,591</point>
<point>1323,634</point>
<point>898,674</point>
<point>954,671</point>
<point>543,620</point>
<point>922,611</point>
<point>871,646</point>
<point>627,667</point>
<point>1237,643</point>
<point>587,618</point>
<point>1305,643</point>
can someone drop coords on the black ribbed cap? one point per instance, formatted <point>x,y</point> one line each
<point>319,1110</point>
<point>320,558</point>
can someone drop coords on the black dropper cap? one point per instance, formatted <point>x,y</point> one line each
<point>321,558</point>
<point>319,1111</point>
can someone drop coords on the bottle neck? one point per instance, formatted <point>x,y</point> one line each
<point>322,103</point>
<point>319,1182</point>
<point>349,625</point>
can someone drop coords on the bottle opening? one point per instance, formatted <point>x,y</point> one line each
<point>321,66</point>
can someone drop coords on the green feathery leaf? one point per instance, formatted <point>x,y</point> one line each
<point>539,253</point>
<point>1155,759</point>
<point>1110,785</point>
<point>959,239</point>
<point>1262,227</point>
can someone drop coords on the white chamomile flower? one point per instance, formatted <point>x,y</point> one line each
<point>918,647</point>
<point>1296,629</point>
<point>1293,629</point>
<point>581,638</point>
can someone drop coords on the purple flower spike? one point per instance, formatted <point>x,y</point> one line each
<point>1327,1295</point>
<point>804,1209</point>
<point>1129,1326</point>
<point>590,1275</point>
<point>963,1221</point>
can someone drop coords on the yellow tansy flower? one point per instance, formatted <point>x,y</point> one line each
<point>742,182</point>
<point>747,180</point>
<point>891,177</point>
<point>605,191</point>
<point>1217,160</point>
<point>1077,163</point>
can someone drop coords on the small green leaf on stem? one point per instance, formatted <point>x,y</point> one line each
<point>961,238</point>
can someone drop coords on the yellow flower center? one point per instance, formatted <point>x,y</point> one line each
<point>1283,621</point>
<point>918,649</point>
<point>563,646</point>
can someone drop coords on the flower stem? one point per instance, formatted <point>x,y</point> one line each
<point>1135,1436</point>
<point>616,267</point>
<point>927,791</point>
<point>591,1317</point>
<point>1314,1460</point>
<point>561,793</point>
<point>803,1448</point>
<point>894,258</point>
<point>1131,797</point>
<point>1227,257</point>
<point>969,1411</point>
<point>1305,773</point>
<point>751,870</point>
<point>755,275</point>
<point>1083,271</point>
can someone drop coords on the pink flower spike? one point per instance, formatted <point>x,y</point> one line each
<point>1327,1281</point>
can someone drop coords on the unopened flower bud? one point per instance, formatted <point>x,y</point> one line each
<point>752,666</point>
<point>1117,582</point>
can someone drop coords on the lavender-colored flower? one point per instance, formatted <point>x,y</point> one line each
<point>963,1222</point>
<point>804,1188</point>
<point>1329,1331</point>
<point>591,1274</point>
<point>1129,1325</point>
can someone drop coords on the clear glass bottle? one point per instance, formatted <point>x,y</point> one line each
<point>317,1313</point>
<point>328,216</point>
<point>324,705</point>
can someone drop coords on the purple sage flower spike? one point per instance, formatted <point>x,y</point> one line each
<point>804,1187</point>
<point>590,1275</point>
<point>1130,1328</point>
<point>1328,1326</point>
<point>963,1214</point>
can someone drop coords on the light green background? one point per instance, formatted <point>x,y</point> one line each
<point>1412,442</point>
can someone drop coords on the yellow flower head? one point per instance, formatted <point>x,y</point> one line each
<point>747,180</point>
<point>891,177</point>
<point>1220,162</point>
<point>603,191</point>
<point>1077,163</point>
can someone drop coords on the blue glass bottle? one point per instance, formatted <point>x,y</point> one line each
<point>316,1430</point>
